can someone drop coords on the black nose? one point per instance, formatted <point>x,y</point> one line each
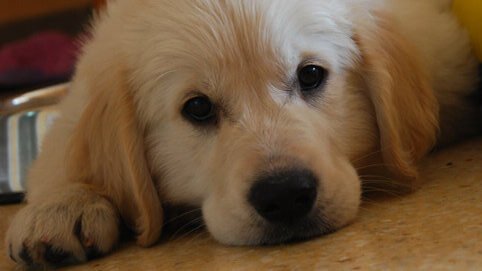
<point>285,196</point>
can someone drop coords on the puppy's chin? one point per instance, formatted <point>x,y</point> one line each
<point>311,227</point>
<point>269,234</point>
<point>259,232</point>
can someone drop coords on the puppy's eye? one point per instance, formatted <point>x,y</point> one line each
<point>311,77</point>
<point>199,110</point>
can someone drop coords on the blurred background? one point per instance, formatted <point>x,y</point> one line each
<point>39,44</point>
<point>39,41</point>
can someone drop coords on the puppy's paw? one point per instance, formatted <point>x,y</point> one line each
<point>73,228</point>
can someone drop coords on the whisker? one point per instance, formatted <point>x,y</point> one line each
<point>376,165</point>
<point>193,230</point>
<point>186,225</point>
<point>376,179</point>
<point>366,156</point>
<point>199,236</point>
<point>386,182</point>
<point>380,190</point>
<point>372,176</point>
<point>182,215</point>
<point>380,150</point>
<point>368,183</point>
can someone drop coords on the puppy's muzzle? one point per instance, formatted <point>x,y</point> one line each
<point>284,197</point>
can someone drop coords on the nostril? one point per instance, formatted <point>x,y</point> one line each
<point>270,209</point>
<point>305,196</point>
<point>302,200</point>
<point>285,196</point>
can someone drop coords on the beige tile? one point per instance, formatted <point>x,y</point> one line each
<point>438,227</point>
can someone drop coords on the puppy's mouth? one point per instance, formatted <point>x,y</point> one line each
<point>181,220</point>
<point>308,228</point>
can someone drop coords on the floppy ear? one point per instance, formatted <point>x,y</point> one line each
<point>405,106</point>
<point>107,153</point>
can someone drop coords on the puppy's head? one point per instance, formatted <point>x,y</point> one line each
<point>255,111</point>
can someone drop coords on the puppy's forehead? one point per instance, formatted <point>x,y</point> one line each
<point>258,42</point>
<point>215,37</point>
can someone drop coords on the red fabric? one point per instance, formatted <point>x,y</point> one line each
<point>42,57</point>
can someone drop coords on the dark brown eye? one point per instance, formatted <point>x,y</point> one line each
<point>311,77</point>
<point>199,110</point>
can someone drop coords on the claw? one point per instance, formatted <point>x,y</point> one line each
<point>85,241</point>
<point>93,253</point>
<point>78,228</point>
<point>25,255</point>
<point>55,255</point>
<point>10,252</point>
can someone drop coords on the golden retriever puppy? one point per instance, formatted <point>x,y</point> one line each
<point>259,112</point>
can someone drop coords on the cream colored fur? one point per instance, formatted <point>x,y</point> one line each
<point>122,148</point>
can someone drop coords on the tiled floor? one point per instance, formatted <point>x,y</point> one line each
<point>438,227</point>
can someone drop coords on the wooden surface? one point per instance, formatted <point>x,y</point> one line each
<point>438,227</point>
<point>16,10</point>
